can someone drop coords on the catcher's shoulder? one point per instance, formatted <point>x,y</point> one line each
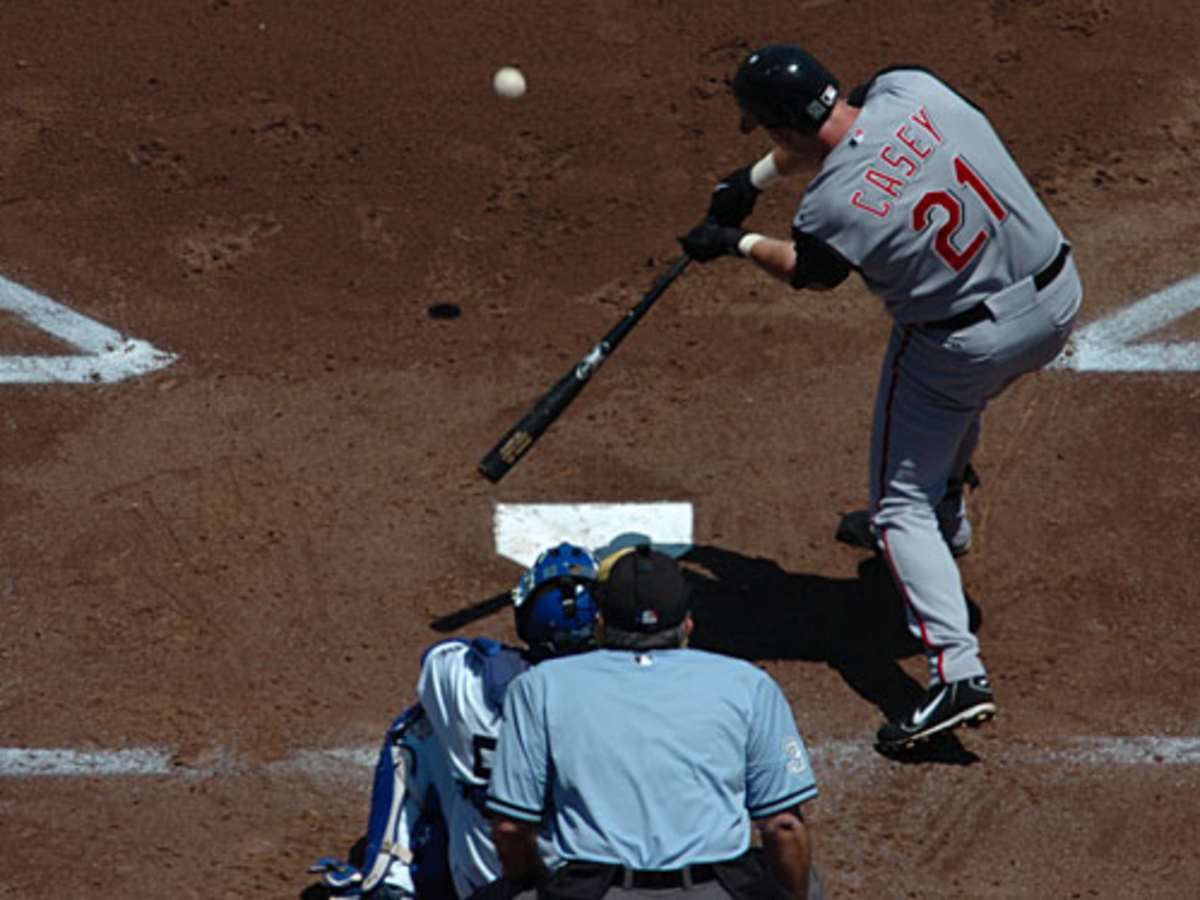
<point>462,649</point>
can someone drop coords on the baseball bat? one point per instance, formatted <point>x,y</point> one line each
<point>522,436</point>
<point>463,617</point>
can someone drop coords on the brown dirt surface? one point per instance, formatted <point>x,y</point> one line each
<point>236,559</point>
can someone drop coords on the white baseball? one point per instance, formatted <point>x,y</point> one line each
<point>509,82</point>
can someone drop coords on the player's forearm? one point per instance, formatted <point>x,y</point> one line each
<point>775,257</point>
<point>786,842</point>
<point>516,845</point>
<point>775,165</point>
<point>785,162</point>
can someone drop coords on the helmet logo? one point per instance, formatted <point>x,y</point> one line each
<point>820,105</point>
<point>648,617</point>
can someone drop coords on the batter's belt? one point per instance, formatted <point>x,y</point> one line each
<point>980,311</point>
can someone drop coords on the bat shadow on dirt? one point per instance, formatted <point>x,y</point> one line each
<point>752,608</point>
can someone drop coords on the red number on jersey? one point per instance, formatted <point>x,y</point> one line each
<point>955,258</point>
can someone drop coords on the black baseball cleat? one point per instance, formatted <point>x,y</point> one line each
<point>945,706</point>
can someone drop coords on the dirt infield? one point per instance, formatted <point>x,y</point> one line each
<point>234,560</point>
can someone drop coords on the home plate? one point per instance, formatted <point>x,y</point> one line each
<point>523,530</point>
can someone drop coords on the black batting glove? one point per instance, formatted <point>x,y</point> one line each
<point>708,240</point>
<point>733,198</point>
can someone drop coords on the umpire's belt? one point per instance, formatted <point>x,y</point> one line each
<point>980,311</point>
<point>651,879</point>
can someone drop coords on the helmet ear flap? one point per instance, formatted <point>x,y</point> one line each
<point>521,618</point>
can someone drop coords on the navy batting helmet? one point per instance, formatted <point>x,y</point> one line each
<point>782,86</point>
<point>553,603</point>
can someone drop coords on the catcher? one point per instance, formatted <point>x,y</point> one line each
<point>428,835</point>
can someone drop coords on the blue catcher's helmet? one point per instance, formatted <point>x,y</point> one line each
<point>553,603</point>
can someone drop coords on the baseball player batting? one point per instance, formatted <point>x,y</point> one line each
<point>916,193</point>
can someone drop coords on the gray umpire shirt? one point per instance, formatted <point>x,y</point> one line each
<point>651,760</point>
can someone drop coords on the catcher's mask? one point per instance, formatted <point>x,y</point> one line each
<point>553,603</point>
<point>783,86</point>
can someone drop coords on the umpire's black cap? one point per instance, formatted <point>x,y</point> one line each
<point>642,590</point>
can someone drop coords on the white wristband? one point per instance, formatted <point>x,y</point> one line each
<point>746,244</point>
<point>765,171</point>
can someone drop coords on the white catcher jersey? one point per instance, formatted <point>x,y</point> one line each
<point>923,198</point>
<point>461,688</point>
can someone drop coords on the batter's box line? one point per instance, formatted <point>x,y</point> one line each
<point>348,763</point>
<point>1114,343</point>
<point>107,356</point>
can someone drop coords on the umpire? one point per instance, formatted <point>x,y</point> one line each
<point>650,762</point>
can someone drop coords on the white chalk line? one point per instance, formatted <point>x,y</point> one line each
<point>107,355</point>
<point>1110,344</point>
<point>340,762</point>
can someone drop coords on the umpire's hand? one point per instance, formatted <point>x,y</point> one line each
<point>709,240</point>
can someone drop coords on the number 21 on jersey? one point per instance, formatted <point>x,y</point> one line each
<point>943,241</point>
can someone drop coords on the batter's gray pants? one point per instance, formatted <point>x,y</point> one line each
<point>933,389</point>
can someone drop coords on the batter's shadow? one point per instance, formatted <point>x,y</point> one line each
<point>752,608</point>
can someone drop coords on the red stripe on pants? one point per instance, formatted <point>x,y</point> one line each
<point>885,446</point>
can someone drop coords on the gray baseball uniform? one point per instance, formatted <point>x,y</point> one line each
<point>924,200</point>
<point>705,744</point>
